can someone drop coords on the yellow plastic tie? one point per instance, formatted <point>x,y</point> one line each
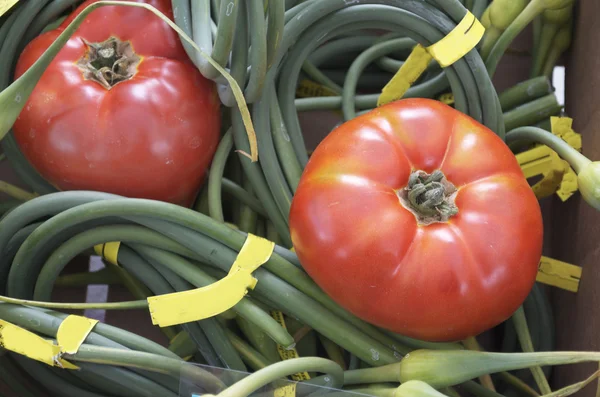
<point>569,185</point>
<point>26,343</point>
<point>559,274</point>
<point>285,391</point>
<point>109,251</point>
<point>557,175</point>
<point>286,354</point>
<point>409,72</point>
<point>455,45</point>
<point>563,128</point>
<point>289,353</point>
<point>73,331</point>
<point>197,304</point>
<point>542,160</point>
<point>447,98</point>
<point>308,89</point>
<point>6,5</point>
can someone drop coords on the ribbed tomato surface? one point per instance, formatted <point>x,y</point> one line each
<point>152,136</point>
<point>441,281</point>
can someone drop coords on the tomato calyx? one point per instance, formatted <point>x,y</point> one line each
<point>109,62</point>
<point>430,197</point>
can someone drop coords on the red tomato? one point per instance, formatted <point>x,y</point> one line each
<point>152,135</point>
<point>354,225</point>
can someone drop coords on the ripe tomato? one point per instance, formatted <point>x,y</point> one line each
<point>432,255</point>
<point>142,122</point>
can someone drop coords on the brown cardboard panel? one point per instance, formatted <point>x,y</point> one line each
<point>576,237</point>
<point>515,64</point>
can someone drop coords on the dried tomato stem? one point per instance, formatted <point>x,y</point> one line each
<point>109,62</point>
<point>430,197</point>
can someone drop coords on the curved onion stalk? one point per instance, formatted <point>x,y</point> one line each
<point>560,44</point>
<point>533,9</point>
<point>525,91</point>
<point>574,388</point>
<point>588,172</point>
<point>485,19</point>
<point>275,372</point>
<point>598,389</point>
<point>589,183</point>
<point>553,21</point>
<point>532,112</point>
<point>518,384</point>
<point>412,388</point>
<point>14,97</point>
<point>128,305</point>
<point>444,368</point>
<point>485,380</point>
<point>146,361</point>
<point>16,192</point>
<point>500,15</point>
<point>520,322</point>
<point>416,388</point>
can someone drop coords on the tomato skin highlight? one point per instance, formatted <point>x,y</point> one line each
<point>440,282</point>
<point>152,136</point>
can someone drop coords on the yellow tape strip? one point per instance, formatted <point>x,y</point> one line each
<point>201,303</point>
<point>563,128</point>
<point>284,353</point>
<point>198,304</point>
<point>255,252</point>
<point>558,176</point>
<point>455,45</point>
<point>542,160</point>
<point>73,331</point>
<point>409,72</point>
<point>28,344</point>
<point>447,98</point>
<point>6,5</point>
<point>285,391</point>
<point>569,185</point>
<point>559,274</point>
<point>109,251</point>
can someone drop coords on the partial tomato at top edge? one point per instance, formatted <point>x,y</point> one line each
<point>121,109</point>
